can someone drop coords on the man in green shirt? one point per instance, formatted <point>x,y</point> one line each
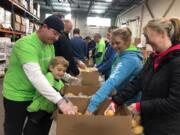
<point>26,74</point>
<point>99,49</point>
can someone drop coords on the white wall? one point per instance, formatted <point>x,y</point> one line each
<point>79,21</point>
<point>158,8</point>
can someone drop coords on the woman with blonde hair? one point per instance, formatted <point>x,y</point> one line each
<point>126,65</point>
<point>159,81</point>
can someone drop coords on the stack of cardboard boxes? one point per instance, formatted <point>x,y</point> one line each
<point>37,8</point>
<point>17,23</point>
<point>5,42</point>
<point>31,8</point>
<point>5,18</point>
<point>23,24</point>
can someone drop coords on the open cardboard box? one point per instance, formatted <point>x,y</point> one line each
<point>90,78</point>
<point>93,125</point>
<point>80,90</point>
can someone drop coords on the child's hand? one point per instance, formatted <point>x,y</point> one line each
<point>72,78</point>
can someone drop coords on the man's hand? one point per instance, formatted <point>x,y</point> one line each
<point>66,107</point>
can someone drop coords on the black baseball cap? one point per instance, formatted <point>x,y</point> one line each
<point>55,23</point>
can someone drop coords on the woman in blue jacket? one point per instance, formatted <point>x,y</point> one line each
<point>126,65</point>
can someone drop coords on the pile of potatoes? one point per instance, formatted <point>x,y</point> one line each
<point>137,129</point>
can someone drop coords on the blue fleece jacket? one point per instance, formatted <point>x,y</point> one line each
<point>105,67</point>
<point>126,66</point>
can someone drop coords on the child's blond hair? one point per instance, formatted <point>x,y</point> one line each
<point>59,60</point>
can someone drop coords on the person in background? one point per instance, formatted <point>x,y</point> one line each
<point>159,81</point>
<point>105,67</point>
<point>78,46</point>
<point>40,110</point>
<point>99,49</point>
<point>126,65</point>
<point>63,48</point>
<point>137,41</point>
<point>28,65</point>
<point>90,46</point>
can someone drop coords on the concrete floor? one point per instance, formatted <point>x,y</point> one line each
<point>1,109</point>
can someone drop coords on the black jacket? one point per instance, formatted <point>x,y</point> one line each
<point>160,103</point>
<point>63,48</point>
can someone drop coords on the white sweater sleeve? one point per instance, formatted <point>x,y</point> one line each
<point>39,81</point>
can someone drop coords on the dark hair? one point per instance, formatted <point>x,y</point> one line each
<point>76,31</point>
<point>87,38</point>
<point>97,35</point>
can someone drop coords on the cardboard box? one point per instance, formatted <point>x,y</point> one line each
<point>23,28</point>
<point>2,15</point>
<point>90,78</point>
<point>31,27</point>
<point>35,12</point>
<point>17,26</point>
<point>7,21</point>
<point>27,25</point>
<point>23,21</point>
<point>25,5</point>
<point>37,7</point>
<point>80,90</point>
<point>18,18</point>
<point>21,2</point>
<point>93,125</point>
<point>31,8</point>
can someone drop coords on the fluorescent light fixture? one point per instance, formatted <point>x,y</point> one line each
<point>109,0</point>
<point>98,21</point>
<point>98,11</point>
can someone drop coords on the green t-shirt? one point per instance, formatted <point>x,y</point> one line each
<point>16,85</point>
<point>40,102</point>
<point>100,47</point>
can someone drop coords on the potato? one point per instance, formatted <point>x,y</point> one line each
<point>138,130</point>
<point>137,118</point>
<point>134,123</point>
<point>79,113</point>
<point>70,94</point>
<point>109,113</point>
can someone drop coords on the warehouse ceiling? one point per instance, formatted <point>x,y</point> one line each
<point>106,8</point>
